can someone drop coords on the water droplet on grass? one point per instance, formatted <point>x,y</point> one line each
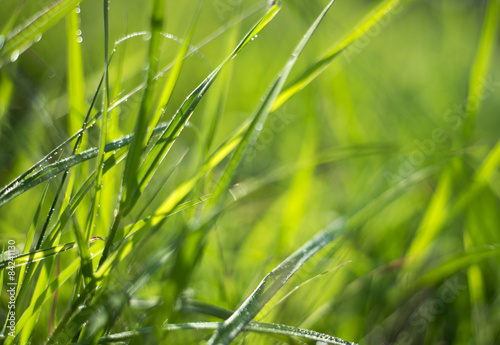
<point>14,55</point>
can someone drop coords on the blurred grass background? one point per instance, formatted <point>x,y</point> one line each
<point>391,106</point>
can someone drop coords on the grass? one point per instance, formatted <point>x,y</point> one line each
<point>192,164</point>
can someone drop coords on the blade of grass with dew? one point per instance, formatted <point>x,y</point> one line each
<point>171,81</point>
<point>83,238</point>
<point>254,327</point>
<point>77,198</point>
<point>314,71</point>
<point>273,282</point>
<point>182,116</point>
<point>76,80</point>
<point>180,120</point>
<point>481,65</point>
<point>166,93</point>
<point>38,255</point>
<point>260,118</point>
<point>23,36</point>
<point>139,140</point>
<point>18,186</point>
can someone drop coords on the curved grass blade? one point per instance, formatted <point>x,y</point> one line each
<point>272,283</point>
<point>13,189</point>
<point>22,37</point>
<point>255,327</point>
<point>314,71</point>
<point>456,263</point>
<point>182,116</point>
<point>175,127</point>
<point>260,118</point>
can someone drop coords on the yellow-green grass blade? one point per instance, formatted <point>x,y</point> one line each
<point>76,80</point>
<point>314,71</point>
<point>481,65</point>
<point>479,180</point>
<point>259,119</point>
<point>18,186</point>
<point>23,36</point>
<point>182,116</point>
<point>163,101</point>
<point>139,140</point>
<point>6,93</point>
<point>436,214</point>
<point>29,315</point>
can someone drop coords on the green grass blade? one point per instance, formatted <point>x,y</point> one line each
<point>255,327</point>
<point>172,79</point>
<point>139,139</point>
<point>314,71</point>
<point>260,117</point>
<point>450,266</point>
<point>156,156</point>
<point>481,65</point>
<point>272,283</point>
<point>22,37</point>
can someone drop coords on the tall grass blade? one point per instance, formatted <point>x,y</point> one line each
<point>272,283</point>
<point>314,71</point>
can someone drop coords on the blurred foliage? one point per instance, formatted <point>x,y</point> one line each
<point>382,137</point>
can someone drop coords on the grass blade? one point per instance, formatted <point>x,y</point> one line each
<point>22,37</point>
<point>272,283</point>
<point>313,72</point>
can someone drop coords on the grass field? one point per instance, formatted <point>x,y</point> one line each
<point>250,172</point>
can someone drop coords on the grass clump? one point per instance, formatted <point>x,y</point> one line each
<point>188,174</point>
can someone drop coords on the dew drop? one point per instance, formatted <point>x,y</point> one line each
<point>79,39</point>
<point>38,37</point>
<point>77,10</point>
<point>14,55</point>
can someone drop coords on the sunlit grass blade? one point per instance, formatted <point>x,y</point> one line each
<point>22,37</point>
<point>139,140</point>
<point>314,71</point>
<point>173,130</point>
<point>182,116</point>
<point>172,79</point>
<point>481,65</point>
<point>273,282</point>
<point>260,117</point>
<point>76,80</point>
